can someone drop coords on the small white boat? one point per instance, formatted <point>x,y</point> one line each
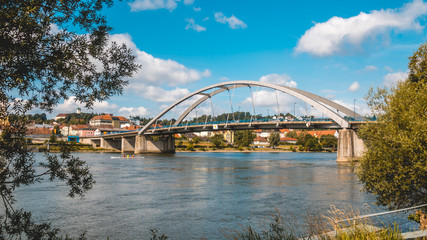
<point>129,157</point>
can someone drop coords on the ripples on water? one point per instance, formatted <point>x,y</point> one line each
<point>193,195</point>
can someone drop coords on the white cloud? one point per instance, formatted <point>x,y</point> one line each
<point>124,39</point>
<point>188,2</point>
<point>389,69</point>
<point>54,29</point>
<point>275,78</point>
<point>339,35</point>
<point>359,106</point>
<point>158,71</point>
<point>205,19</point>
<point>354,87</point>
<point>330,96</point>
<point>224,79</point>
<point>371,68</point>
<point>70,105</point>
<point>266,98</point>
<point>131,111</point>
<point>392,79</point>
<point>197,9</point>
<point>192,25</point>
<point>232,21</point>
<point>159,94</point>
<point>141,5</point>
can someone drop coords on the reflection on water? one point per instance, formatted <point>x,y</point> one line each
<point>193,195</point>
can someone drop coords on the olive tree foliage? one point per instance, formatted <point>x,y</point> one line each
<point>50,50</point>
<point>394,166</point>
<point>243,138</point>
<point>329,141</point>
<point>274,139</point>
<point>217,140</point>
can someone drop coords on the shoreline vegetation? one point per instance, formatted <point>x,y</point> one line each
<point>42,146</point>
<point>336,224</point>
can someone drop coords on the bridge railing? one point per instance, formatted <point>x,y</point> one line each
<point>263,120</point>
<point>254,121</point>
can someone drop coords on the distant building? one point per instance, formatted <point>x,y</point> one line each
<point>61,116</point>
<point>229,136</point>
<point>283,132</point>
<point>72,130</point>
<point>97,132</point>
<point>288,140</point>
<point>320,133</point>
<point>89,131</point>
<point>203,134</point>
<point>260,141</point>
<point>108,120</point>
<point>83,130</point>
<point>64,115</point>
<point>102,130</point>
<point>262,133</point>
<point>39,129</point>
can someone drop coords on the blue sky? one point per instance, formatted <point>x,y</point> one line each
<point>336,49</point>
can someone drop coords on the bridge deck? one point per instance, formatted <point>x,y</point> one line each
<point>237,125</point>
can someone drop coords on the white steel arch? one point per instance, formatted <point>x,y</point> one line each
<point>316,101</point>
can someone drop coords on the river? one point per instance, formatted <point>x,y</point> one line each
<point>193,195</point>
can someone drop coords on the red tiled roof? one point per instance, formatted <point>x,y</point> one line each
<point>109,117</point>
<point>79,127</point>
<point>260,139</point>
<point>321,132</point>
<point>133,127</point>
<point>318,133</point>
<point>122,118</point>
<point>102,117</point>
<point>39,131</point>
<point>284,139</point>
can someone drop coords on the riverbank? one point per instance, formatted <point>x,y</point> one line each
<point>84,148</point>
<point>266,150</point>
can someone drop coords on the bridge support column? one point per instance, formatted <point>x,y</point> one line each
<point>90,141</point>
<point>350,146</point>
<point>154,144</point>
<point>128,144</point>
<point>114,144</point>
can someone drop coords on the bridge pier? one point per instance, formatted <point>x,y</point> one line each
<point>128,144</point>
<point>111,143</point>
<point>154,144</point>
<point>350,146</point>
<point>94,142</point>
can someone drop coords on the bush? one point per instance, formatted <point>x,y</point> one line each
<point>317,227</point>
<point>190,147</point>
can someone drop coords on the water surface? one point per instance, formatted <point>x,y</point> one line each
<point>193,195</point>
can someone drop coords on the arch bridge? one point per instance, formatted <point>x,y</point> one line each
<point>350,146</point>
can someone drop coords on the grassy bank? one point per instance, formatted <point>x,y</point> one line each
<point>335,225</point>
<point>76,147</point>
<point>186,146</point>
